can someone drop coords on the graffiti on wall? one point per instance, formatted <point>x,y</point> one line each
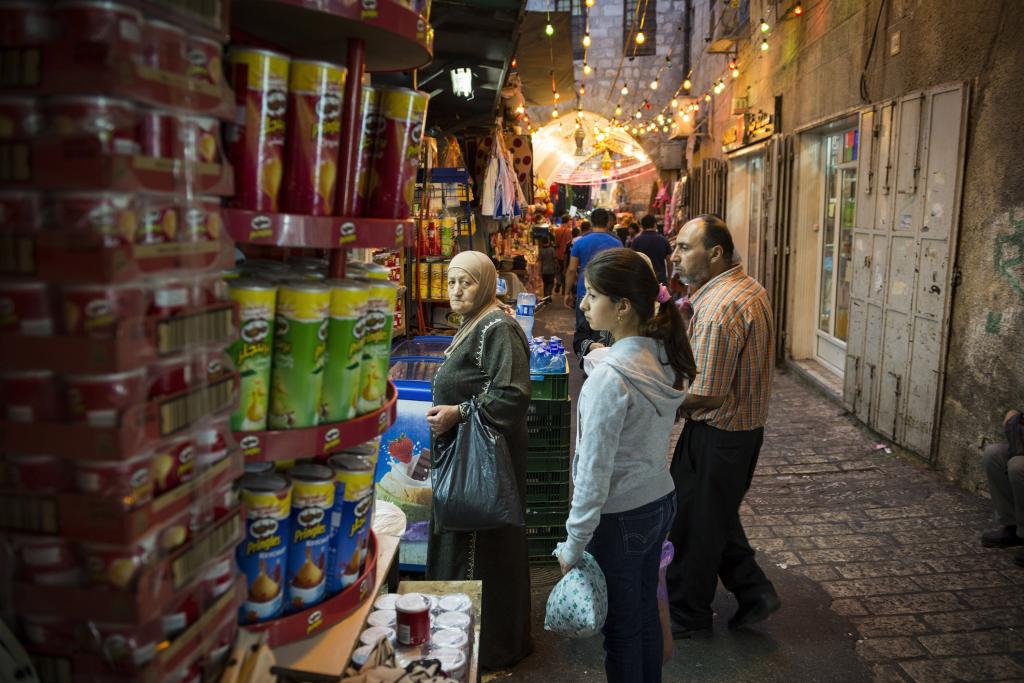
<point>1010,253</point>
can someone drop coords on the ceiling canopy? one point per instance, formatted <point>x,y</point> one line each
<point>586,149</point>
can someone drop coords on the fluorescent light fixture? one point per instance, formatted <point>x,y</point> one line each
<point>462,83</point>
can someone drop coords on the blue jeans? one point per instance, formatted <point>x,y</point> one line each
<point>627,546</point>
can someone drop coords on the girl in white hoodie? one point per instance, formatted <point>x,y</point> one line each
<point>624,500</point>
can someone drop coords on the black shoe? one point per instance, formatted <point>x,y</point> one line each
<point>757,610</point>
<point>1003,537</point>
<point>687,633</point>
<point>1018,557</point>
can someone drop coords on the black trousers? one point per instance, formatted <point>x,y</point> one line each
<point>549,282</point>
<point>712,470</point>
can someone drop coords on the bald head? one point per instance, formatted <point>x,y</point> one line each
<point>703,250</point>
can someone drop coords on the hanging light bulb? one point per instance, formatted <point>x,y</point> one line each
<point>735,72</point>
<point>589,3</point>
<point>618,111</point>
<point>640,38</point>
<point>625,89</point>
<point>764,45</point>
<point>586,69</point>
<point>707,97</point>
<point>765,27</point>
<point>554,113</point>
<point>557,97</point>
<point>674,103</point>
<point>586,39</point>
<point>654,84</point>
<point>638,115</point>
<point>664,129</point>
<point>583,89</point>
<point>687,84</point>
<point>520,109</point>
<point>686,118</point>
<point>798,9</point>
<point>549,30</point>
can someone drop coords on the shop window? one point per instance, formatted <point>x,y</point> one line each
<point>645,13</point>
<point>578,26</point>
<point>838,213</point>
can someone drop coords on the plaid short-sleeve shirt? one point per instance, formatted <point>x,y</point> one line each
<point>732,335</point>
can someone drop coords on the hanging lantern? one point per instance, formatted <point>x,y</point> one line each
<point>606,164</point>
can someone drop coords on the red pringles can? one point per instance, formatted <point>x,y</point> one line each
<point>370,129</point>
<point>204,57</point>
<point>200,137</point>
<point>110,122</point>
<point>413,619</point>
<point>260,80</point>
<point>403,114</point>
<point>109,217</point>
<point>201,220</point>
<point>314,131</point>
<point>157,132</point>
<point>159,221</point>
<point>164,47</point>
<point>99,30</point>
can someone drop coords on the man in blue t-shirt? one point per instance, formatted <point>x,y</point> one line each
<point>655,246</point>
<point>584,248</point>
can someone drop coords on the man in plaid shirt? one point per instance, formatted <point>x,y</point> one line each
<point>732,335</point>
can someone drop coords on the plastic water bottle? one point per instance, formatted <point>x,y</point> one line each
<point>526,303</point>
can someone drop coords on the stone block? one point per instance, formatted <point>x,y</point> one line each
<point>975,620</point>
<point>975,643</point>
<point>964,581</point>
<point>889,626</point>
<point>878,586</point>
<point>919,603</point>
<point>883,649</point>
<point>980,668</point>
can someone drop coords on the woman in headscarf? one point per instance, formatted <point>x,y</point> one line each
<point>489,359</point>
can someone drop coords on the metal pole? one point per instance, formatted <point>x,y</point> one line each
<point>349,147</point>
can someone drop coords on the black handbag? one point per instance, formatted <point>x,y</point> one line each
<point>473,480</point>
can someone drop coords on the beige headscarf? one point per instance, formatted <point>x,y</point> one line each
<point>480,269</point>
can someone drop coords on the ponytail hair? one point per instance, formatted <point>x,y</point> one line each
<point>625,274</point>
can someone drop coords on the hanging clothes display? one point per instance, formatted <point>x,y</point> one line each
<point>502,196</point>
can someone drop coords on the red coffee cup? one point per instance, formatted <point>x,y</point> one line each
<point>180,616</point>
<point>109,217</point>
<point>25,307</point>
<point>39,473</point>
<point>30,396</point>
<point>101,311</point>
<point>102,400</point>
<point>164,47</point>
<point>128,481</point>
<point>210,445</point>
<point>218,579</point>
<point>108,121</point>
<point>413,619</point>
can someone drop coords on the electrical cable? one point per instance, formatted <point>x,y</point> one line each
<point>864,96</point>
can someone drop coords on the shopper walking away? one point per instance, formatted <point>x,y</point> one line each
<point>732,337</point>
<point>488,359</point>
<point>1004,467</point>
<point>623,501</point>
<point>657,248</point>
<point>548,265</point>
<point>563,236</point>
<point>584,248</point>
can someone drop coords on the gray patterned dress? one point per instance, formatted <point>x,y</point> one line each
<point>493,364</point>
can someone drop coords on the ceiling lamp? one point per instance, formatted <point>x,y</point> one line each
<point>586,69</point>
<point>640,38</point>
<point>687,84</point>
<point>586,39</point>
<point>765,27</point>
<point>625,89</point>
<point>549,30</point>
<point>462,83</point>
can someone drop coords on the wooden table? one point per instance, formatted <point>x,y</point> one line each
<point>474,589</point>
<point>329,652</point>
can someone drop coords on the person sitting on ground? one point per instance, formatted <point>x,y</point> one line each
<point>1004,468</point>
<point>548,265</point>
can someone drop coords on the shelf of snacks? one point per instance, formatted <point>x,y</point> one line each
<point>324,439</point>
<point>397,37</point>
<point>319,617</point>
<point>320,232</point>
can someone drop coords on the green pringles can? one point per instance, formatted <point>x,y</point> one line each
<point>349,301</point>
<point>378,327</point>
<point>251,352</point>
<point>300,345</point>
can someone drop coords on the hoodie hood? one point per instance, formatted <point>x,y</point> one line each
<point>642,362</point>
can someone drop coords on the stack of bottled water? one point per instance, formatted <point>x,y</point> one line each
<point>547,355</point>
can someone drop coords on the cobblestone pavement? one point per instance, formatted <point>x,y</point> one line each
<point>876,559</point>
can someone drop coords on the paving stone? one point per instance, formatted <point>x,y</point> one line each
<point>895,625</point>
<point>849,607</point>
<point>961,581</point>
<point>881,649</point>
<point>964,563</point>
<point>887,673</point>
<point>768,544</point>
<point>897,512</point>
<point>753,518</point>
<point>913,603</point>
<point>817,572</point>
<point>825,517</point>
<point>975,620</point>
<point>976,643</point>
<point>934,535</point>
<point>807,469</point>
<point>810,529</point>
<point>980,668</point>
<point>881,586</point>
<point>867,570</point>
<point>851,541</point>
<point>835,556</point>
<point>887,525</point>
<point>993,597</point>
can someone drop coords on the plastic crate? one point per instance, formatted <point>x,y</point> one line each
<point>545,528</point>
<point>543,491</point>
<point>550,386</point>
<point>547,461</point>
<point>541,516</point>
<point>548,424</point>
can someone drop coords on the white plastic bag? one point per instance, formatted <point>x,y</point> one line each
<point>578,604</point>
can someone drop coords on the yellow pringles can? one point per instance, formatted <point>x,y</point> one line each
<point>251,352</point>
<point>380,316</point>
<point>300,345</point>
<point>256,147</point>
<point>438,284</point>
<point>314,131</point>
<point>345,334</point>
<point>423,272</point>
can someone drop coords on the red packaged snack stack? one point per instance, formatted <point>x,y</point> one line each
<point>20,118</point>
<point>158,134</point>
<point>202,221</point>
<point>260,80</point>
<point>314,131</point>
<point>128,481</point>
<point>58,577</point>
<point>30,396</point>
<point>127,646</point>
<point>180,616</point>
<point>25,24</point>
<point>164,47</point>
<point>218,578</point>
<point>173,464</point>
<point>396,157</point>
<point>99,311</point>
<point>25,307</point>
<point>159,221</point>
<point>45,554</point>
<point>201,139</point>
<point>211,444</point>
<point>48,631</point>
<point>168,376</point>
<point>171,295</point>
<point>205,60</point>
<point>110,217</point>
<point>38,473</point>
<point>99,31</point>
<point>101,400</point>
<point>108,121</point>
<point>21,211</point>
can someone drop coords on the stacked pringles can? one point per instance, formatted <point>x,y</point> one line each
<point>286,153</point>
<point>422,626</point>
<point>118,466</point>
<point>307,527</point>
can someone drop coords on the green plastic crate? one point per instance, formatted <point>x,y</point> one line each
<point>547,490</point>
<point>547,424</point>
<point>550,387</point>
<point>548,461</point>
<point>545,528</point>
<point>540,516</point>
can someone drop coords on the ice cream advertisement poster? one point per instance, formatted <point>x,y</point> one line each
<point>403,477</point>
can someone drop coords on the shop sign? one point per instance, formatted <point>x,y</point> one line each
<point>732,137</point>
<point>759,126</point>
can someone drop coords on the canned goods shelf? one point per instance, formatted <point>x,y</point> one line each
<point>317,232</point>
<point>286,444</point>
<point>318,618</point>
<point>396,37</point>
